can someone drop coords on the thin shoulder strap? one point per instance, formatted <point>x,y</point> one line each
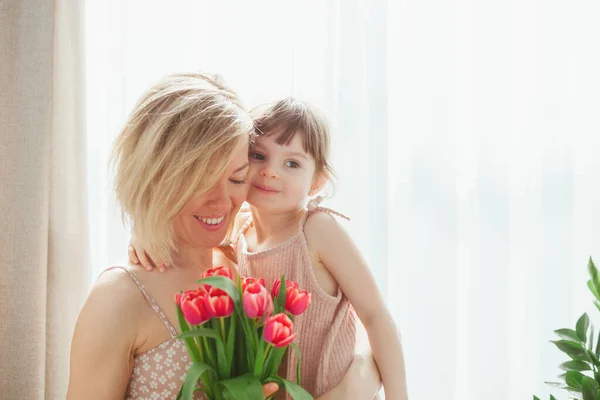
<point>149,299</point>
<point>314,207</point>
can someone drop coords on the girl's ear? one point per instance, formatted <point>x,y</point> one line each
<point>318,183</point>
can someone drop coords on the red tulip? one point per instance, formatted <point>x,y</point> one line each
<point>218,303</point>
<point>193,306</point>
<point>296,300</point>
<point>247,281</point>
<point>277,284</point>
<point>256,300</point>
<point>279,330</point>
<point>217,271</point>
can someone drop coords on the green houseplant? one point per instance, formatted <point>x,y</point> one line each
<point>582,371</point>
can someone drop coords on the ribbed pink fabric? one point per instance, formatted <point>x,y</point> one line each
<point>326,331</point>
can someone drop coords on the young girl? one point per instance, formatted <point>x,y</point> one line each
<point>282,234</point>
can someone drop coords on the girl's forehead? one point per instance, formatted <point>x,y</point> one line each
<point>271,141</point>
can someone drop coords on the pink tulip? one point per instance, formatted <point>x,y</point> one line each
<point>256,300</point>
<point>279,330</point>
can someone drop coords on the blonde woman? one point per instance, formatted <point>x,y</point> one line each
<point>181,166</point>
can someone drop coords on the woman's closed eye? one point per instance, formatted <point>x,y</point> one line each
<point>238,181</point>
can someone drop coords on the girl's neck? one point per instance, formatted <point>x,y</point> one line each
<point>274,227</point>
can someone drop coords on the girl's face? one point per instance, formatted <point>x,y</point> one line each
<point>205,219</point>
<point>281,176</point>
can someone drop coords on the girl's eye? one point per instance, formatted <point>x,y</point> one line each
<point>292,164</point>
<point>238,181</point>
<point>257,156</point>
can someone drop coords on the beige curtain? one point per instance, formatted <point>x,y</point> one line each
<point>43,226</point>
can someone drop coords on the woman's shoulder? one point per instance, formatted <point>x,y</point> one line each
<point>115,295</point>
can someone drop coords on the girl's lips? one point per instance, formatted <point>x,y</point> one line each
<point>265,189</point>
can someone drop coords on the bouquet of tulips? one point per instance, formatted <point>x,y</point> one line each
<point>236,335</point>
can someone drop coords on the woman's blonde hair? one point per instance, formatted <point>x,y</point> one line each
<point>177,143</point>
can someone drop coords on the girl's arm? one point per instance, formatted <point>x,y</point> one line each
<point>103,341</point>
<point>340,256</point>
<point>361,382</point>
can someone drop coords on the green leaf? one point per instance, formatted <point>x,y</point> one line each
<point>260,358</point>
<point>231,340</point>
<point>296,391</point>
<point>575,365</point>
<point>582,327</point>
<point>201,332</point>
<point>590,389</point>
<point>591,339</point>
<point>276,355</point>
<point>190,344</point>
<point>593,357</point>
<point>191,379</point>
<point>574,380</point>
<point>552,397</point>
<point>571,348</point>
<point>281,298</point>
<point>224,284</point>
<point>299,356</point>
<point>593,271</point>
<point>245,387</point>
<point>598,344</point>
<point>592,286</point>
<point>597,304</point>
<point>568,334</point>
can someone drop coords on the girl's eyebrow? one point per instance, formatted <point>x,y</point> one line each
<point>300,155</point>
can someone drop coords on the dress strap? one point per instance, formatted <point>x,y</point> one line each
<point>313,207</point>
<point>148,298</point>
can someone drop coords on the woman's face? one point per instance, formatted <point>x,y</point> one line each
<point>204,220</point>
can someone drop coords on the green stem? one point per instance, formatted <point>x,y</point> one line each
<point>265,365</point>
<point>199,345</point>
<point>223,331</point>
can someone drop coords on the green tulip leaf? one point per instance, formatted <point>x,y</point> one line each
<point>245,387</point>
<point>191,379</point>
<point>225,284</point>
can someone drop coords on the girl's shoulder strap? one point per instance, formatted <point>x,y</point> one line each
<point>314,207</point>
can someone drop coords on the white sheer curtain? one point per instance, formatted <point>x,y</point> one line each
<point>465,137</point>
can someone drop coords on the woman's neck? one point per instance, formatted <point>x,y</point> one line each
<point>193,259</point>
<point>274,226</point>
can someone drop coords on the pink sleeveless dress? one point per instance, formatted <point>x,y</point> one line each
<point>326,331</point>
<point>159,372</point>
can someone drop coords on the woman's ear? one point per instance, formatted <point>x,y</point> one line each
<point>318,183</point>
